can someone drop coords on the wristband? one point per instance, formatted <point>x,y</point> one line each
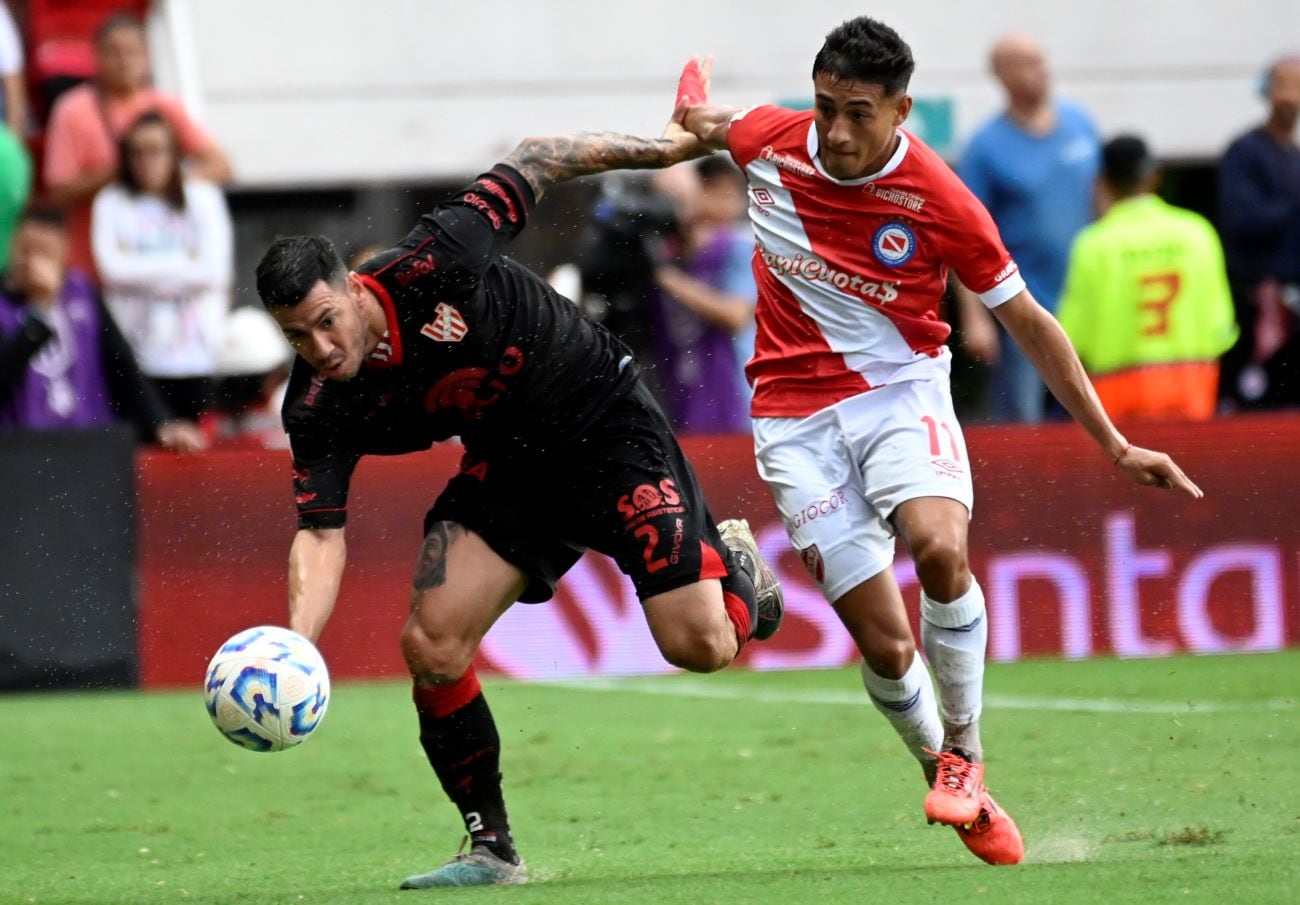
<point>1127,447</point>
<point>690,88</point>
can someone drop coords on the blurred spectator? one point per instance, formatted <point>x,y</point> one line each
<point>163,245</point>
<point>88,121</point>
<point>15,165</point>
<point>253,365</point>
<point>1146,300</point>
<point>1259,213</point>
<point>62,361</point>
<point>706,304</point>
<point>15,186</point>
<point>14,94</point>
<point>61,34</point>
<point>1034,167</point>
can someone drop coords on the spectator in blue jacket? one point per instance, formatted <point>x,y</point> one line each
<point>1034,166</point>
<point>1259,219</point>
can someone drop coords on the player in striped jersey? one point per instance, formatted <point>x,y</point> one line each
<point>856,223</point>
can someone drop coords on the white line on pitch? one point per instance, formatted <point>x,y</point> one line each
<point>691,688</point>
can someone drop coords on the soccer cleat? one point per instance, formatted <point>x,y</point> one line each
<point>767,590</point>
<point>955,798</point>
<point>993,837</point>
<point>477,867</point>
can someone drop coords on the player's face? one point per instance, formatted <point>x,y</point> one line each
<point>856,124</point>
<point>328,328</point>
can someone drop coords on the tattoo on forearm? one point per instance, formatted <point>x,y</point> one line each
<point>546,161</point>
<point>431,570</point>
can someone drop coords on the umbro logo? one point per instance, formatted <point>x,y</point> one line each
<point>447,325</point>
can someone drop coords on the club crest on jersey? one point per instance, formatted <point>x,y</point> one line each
<point>447,325</point>
<point>894,244</point>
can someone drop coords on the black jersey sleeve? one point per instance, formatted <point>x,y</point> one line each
<point>453,245</point>
<point>322,473</point>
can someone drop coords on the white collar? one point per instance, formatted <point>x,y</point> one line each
<point>894,161</point>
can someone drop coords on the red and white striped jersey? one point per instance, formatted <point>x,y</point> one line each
<point>851,272</point>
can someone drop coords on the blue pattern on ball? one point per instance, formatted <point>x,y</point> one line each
<point>306,714</point>
<point>254,692</point>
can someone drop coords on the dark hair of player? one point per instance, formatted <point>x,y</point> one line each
<point>43,214</point>
<point>868,51</point>
<point>293,265</point>
<point>1126,162</point>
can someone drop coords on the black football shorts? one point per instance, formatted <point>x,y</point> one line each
<point>623,488</point>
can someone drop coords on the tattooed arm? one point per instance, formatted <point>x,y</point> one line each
<point>316,561</point>
<point>546,161</point>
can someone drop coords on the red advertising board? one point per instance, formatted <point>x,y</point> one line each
<point>1074,561</point>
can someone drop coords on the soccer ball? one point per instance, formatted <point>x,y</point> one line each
<point>267,688</point>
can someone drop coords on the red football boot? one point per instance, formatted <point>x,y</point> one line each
<point>955,798</point>
<point>993,836</point>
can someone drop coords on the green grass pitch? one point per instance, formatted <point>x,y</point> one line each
<point>1141,781</point>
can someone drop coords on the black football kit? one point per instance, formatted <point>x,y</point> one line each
<point>564,447</point>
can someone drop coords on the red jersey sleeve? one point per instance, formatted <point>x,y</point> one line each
<point>754,128</point>
<point>971,245</point>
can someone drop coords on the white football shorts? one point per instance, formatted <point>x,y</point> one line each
<point>838,475</point>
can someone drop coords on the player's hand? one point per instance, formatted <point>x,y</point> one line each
<point>693,91</point>
<point>686,144</point>
<point>1155,469</point>
<point>181,437</point>
<point>693,84</point>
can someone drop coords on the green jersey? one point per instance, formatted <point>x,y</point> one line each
<point>15,183</point>
<point>1146,285</point>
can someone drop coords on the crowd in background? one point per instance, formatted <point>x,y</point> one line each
<point>117,256</point>
<point>117,247</point>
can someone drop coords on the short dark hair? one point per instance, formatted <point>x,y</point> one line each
<point>1126,161</point>
<point>43,214</point>
<point>293,265</point>
<point>116,20</point>
<point>865,50</point>
<point>175,190</point>
<point>718,168</point>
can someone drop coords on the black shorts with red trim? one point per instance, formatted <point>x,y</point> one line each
<point>623,488</point>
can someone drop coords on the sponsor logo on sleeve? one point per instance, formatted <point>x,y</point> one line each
<point>413,267</point>
<point>1007,270</point>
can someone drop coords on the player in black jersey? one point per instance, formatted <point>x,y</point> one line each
<point>442,336</point>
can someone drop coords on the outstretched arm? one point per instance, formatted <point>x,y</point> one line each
<point>1048,349</point>
<point>546,161</point>
<point>708,122</point>
<point>316,560</point>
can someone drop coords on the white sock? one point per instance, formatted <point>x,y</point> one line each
<point>908,704</point>
<point>955,637</point>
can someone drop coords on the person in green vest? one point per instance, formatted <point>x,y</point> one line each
<point>1146,300</point>
<point>15,186</point>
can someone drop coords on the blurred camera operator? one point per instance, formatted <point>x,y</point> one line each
<point>705,310</point>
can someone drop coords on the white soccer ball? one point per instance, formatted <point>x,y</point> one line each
<point>267,688</point>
